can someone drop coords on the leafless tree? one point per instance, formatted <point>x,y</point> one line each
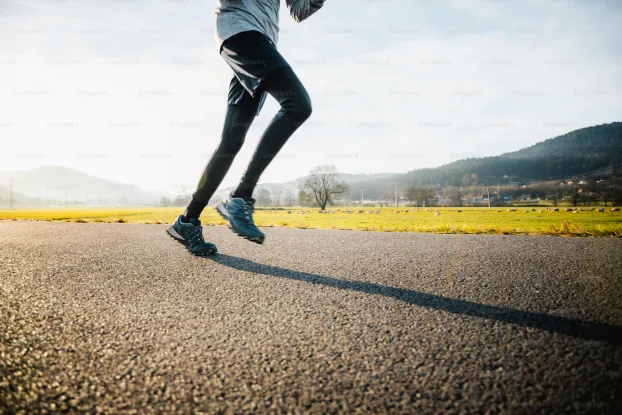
<point>289,198</point>
<point>554,194</point>
<point>420,196</point>
<point>179,200</point>
<point>411,195</point>
<point>277,192</point>
<point>606,197</point>
<point>455,195</point>
<point>322,185</point>
<point>263,197</point>
<point>303,199</point>
<point>574,197</point>
<point>165,201</point>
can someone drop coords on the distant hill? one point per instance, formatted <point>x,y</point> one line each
<point>573,154</point>
<point>19,199</point>
<point>350,179</point>
<point>53,184</point>
<point>50,185</point>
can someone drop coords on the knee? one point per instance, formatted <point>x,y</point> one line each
<point>306,109</point>
<point>230,145</point>
<point>302,108</point>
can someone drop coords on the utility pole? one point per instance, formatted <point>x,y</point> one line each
<point>396,204</point>
<point>362,191</point>
<point>488,189</point>
<point>11,193</point>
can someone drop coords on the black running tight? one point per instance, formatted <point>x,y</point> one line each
<point>286,88</point>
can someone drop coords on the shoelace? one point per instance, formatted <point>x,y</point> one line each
<point>248,211</point>
<point>195,235</point>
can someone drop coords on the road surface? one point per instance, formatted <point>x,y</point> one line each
<point>117,318</point>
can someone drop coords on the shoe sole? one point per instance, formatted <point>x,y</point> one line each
<point>224,215</point>
<point>177,237</point>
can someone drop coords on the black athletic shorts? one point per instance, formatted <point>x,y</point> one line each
<point>252,56</point>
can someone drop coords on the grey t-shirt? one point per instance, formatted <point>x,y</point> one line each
<point>235,16</point>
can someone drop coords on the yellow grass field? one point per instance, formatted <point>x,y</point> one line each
<point>521,221</point>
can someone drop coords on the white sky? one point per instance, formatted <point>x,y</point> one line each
<point>135,91</point>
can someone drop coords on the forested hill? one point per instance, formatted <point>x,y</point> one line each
<point>573,154</point>
<point>593,142</point>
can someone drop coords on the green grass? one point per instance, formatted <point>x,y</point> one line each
<point>469,221</point>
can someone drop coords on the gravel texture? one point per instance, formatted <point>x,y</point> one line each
<point>117,318</point>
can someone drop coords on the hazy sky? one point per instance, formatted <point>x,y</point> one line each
<point>135,91</point>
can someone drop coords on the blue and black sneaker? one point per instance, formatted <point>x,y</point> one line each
<point>191,235</point>
<point>238,213</point>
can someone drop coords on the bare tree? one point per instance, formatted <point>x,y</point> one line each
<point>554,194</point>
<point>303,198</point>
<point>429,196</point>
<point>289,198</point>
<point>277,192</point>
<point>322,185</point>
<point>420,196</point>
<point>165,201</point>
<point>410,194</point>
<point>606,197</point>
<point>181,200</point>
<point>263,197</point>
<point>455,195</point>
<point>574,198</point>
<point>474,182</point>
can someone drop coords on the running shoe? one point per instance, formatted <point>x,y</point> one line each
<point>191,235</point>
<point>238,212</point>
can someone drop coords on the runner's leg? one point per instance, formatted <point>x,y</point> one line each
<point>237,122</point>
<point>286,88</point>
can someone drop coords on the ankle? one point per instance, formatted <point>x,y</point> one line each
<point>242,194</point>
<point>193,211</point>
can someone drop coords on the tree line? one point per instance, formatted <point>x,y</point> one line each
<point>322,187</point>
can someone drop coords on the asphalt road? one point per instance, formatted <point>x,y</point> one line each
<point>117,318</point>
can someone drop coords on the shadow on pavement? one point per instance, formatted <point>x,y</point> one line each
<point>567,326</point>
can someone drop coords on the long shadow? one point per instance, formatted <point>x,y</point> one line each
<point>567,326</point>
